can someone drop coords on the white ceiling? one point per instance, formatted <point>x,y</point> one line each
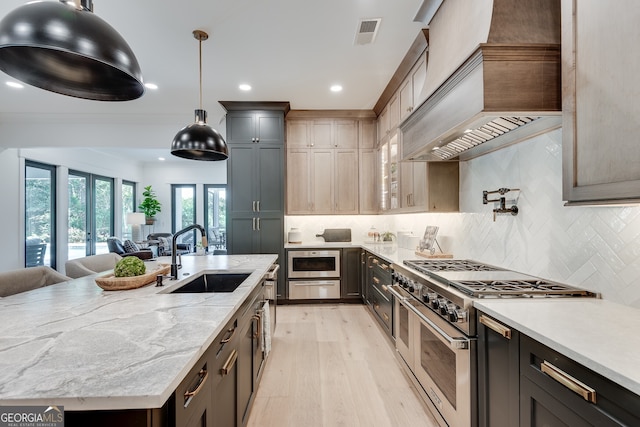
<point>287,50</point>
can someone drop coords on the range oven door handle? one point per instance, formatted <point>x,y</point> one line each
<point>454,343</point>
<point>395,293</point>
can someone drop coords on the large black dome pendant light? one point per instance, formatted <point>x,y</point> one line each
<point>199,141</point>
<point>63,47</point>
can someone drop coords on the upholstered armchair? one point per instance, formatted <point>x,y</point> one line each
<point>91,264</point>
<point>127,249</point>
<point>26,279</point>
<point>163,241</point>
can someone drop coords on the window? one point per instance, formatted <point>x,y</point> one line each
<point>40,214</point>
<point>183,210</point>
<point>215,209</point>
<point>128,205</point>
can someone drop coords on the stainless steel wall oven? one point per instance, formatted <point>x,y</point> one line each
<point>313,274</point>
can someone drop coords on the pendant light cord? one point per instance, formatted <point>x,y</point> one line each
<point>200,60</point>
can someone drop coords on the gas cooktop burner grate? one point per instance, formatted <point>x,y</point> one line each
<point>516,289</point>
<point>426,266</point>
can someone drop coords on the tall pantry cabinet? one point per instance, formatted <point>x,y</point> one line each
<point>255,181</point>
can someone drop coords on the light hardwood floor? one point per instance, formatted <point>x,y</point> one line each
<point>331,366</point>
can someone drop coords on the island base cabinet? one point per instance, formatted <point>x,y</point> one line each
<point>557,391</point>
<point>159,417</point>
<point>193,395</point>
<point>225,394</point>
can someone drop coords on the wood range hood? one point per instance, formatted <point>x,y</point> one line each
<point>493,78</point>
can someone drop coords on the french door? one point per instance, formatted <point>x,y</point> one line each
<point>91,200</point>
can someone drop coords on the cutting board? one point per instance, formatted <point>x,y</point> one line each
<point>336,235</point>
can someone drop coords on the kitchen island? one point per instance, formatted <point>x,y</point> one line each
<point>75,345</point>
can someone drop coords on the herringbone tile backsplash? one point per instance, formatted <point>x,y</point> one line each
<point>596,248</point>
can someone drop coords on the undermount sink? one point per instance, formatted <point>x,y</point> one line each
<point>213,282</point>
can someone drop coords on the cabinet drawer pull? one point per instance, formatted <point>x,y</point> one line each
<point>386,316</point>
<point>227,339</point>
<point>230,363</point>
<point>384,267</point>
<point>495,326</point>
<point>376,280</point>
<point>385,287</point>
<point>569,382</point>
<point>203,374</point>
<point>258,318</point>
<point>375,261</point>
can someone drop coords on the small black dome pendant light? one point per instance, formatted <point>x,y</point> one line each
<point>63,47</point>
<point>199,141</point>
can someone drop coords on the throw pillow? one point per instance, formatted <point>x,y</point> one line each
<point>165,244</point>
<point>129,246</point>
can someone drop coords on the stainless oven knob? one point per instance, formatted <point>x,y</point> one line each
<point>452,312</point>
<point>435,301</point>
<point>444,309</point>
<point>412,286</point>
<point>430,297</point>
<point>461,315</point>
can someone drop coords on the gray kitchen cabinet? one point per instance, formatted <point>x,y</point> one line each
<point>364,276</point>
<point>350,274</point>
<point>380,299</point>
<point>498,373</point>
<point>557,391</point>
<point>524,382</point>
<point>255,184</point>
<point>600,88</point>
<point>251,127</point>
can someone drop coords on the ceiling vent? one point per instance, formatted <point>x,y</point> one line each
<point>367,30</point>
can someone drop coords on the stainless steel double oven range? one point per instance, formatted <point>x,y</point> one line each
<point>435,325</point>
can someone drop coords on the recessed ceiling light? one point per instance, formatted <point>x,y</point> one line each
<point>151,86</point>
<point>244,87</point>
<point>162,159</point>
<point>336,88</point>
<point>15,85</point>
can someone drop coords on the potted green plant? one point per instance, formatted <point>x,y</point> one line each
<point>150,205</point>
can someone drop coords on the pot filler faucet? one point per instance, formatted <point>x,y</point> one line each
<point>174,246</point>
<point>513,210</point>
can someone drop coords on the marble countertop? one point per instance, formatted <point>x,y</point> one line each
<point>599,334</point>
<point>74,344</point>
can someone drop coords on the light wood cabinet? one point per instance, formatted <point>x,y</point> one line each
<point>411,186</point>
<point>394,112</point>
<point>411,89</point>
<point>413,189</point>
<point>366,134</point>
<point>367,169</point>
<point>383,124</point>
<point>323,177</point>
<point>600,109</point>
<point>298,181</point>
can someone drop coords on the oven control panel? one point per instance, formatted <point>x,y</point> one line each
<point>430,297</point>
